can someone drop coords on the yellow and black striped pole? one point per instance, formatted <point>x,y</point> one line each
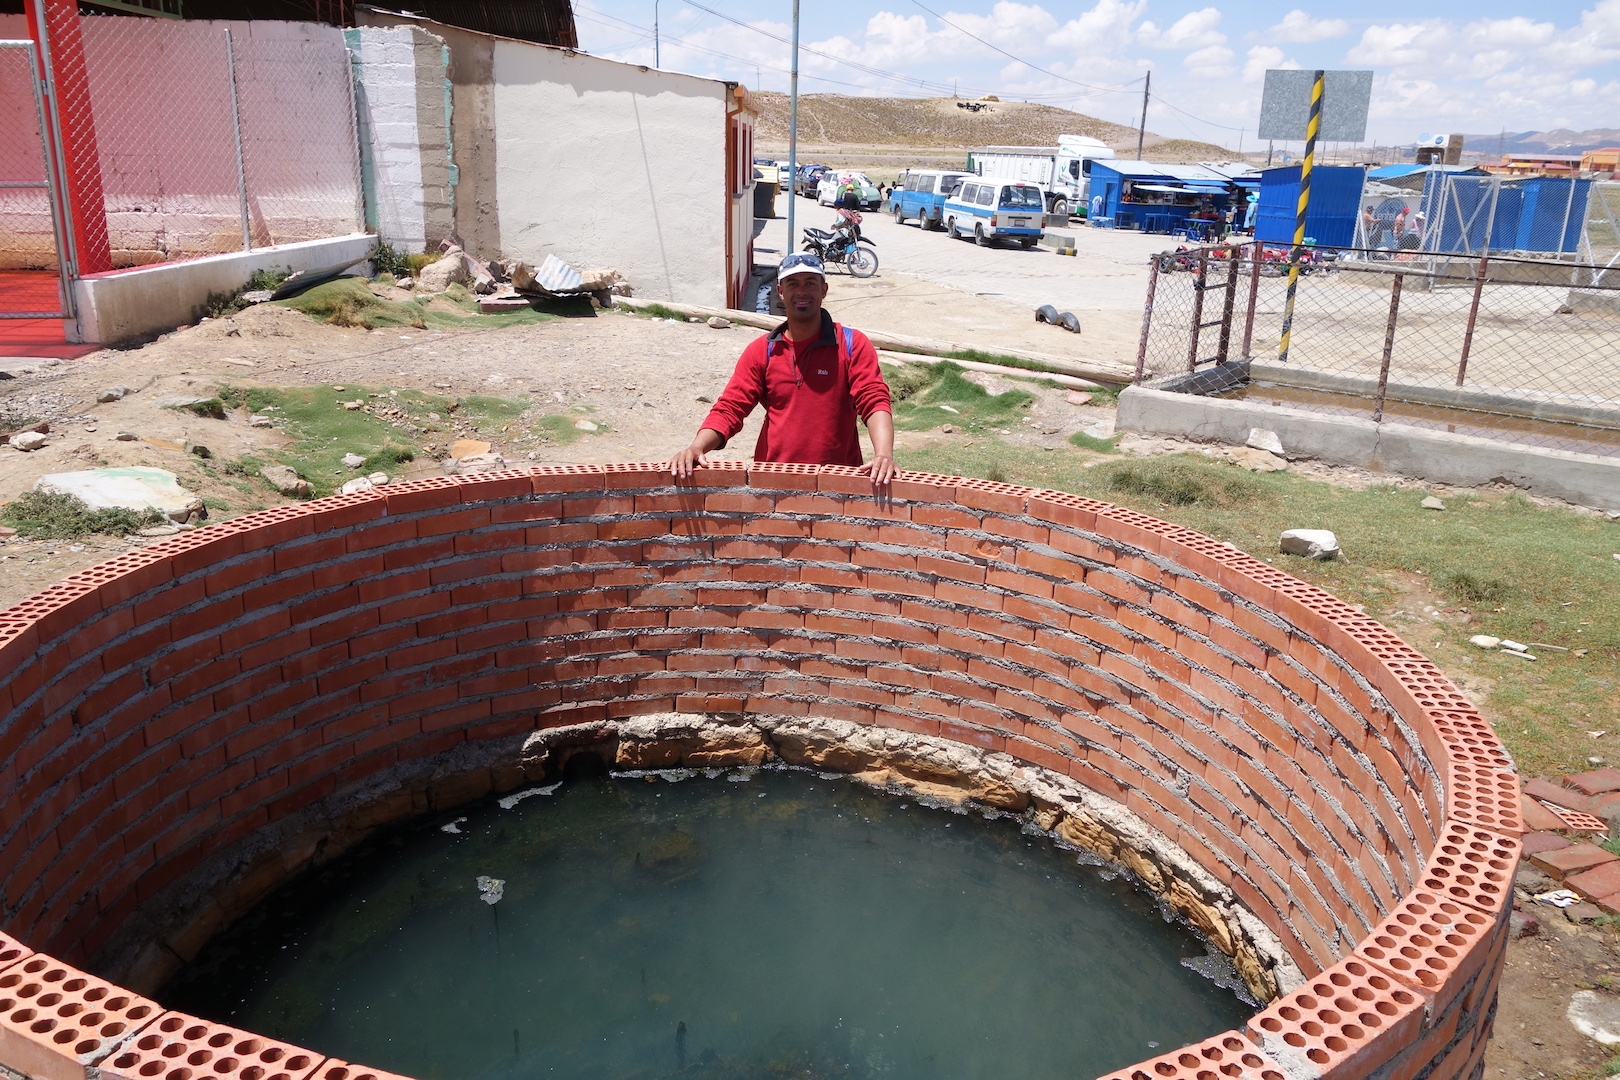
<point>1312,127</point>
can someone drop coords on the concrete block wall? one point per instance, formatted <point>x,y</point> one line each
<point>169,706</point>
<point>402,92</point>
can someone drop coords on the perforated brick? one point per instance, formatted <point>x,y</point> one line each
<point>1473,866</point>
<point>181,1047</point>
<point>55,1020</point>
<point>1344,1023</point>
<point>12,951</point>
<point>1432,944</point>
<point>1226,1055</point>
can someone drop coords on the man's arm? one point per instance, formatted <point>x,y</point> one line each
<point>681,465</point>
<point>880,425</point>
<point>745,389</point>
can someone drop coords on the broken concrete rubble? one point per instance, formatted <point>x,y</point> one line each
<point>135,488</point>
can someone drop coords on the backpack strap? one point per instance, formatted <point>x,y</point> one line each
<point>847,342</point>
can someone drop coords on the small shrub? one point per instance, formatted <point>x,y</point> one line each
<point>220,305</point>
<point>1184,481</point>
<point>385,261</point>
<point>63,517</point>
<point>995,473</point>
<point>265,280</point>
<point>1467,587</point>
<point>415,263</point>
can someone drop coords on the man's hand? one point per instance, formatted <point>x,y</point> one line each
<point>694,456</point>
<point>881,469</point>
<point>880,425</point>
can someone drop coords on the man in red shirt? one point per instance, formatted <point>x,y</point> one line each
<point>813,377</point>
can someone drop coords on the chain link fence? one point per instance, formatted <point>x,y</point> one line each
<point>1519,350</point>
<point>25,198</point>
<point>198,138</point>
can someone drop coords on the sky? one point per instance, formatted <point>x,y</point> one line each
<point>1439,66</point>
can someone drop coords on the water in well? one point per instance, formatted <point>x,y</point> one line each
<point>750,923</point>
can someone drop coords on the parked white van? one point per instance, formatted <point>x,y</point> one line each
<point>990,210</point>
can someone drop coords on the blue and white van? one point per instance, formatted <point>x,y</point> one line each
<point>921,194</point>
<point>989,210</point>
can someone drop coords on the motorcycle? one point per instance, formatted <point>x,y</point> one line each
<point>845,247</point>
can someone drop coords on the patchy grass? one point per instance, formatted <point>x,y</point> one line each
<point>1109,445</point>
<point>949,398</point>
<point>349,301</point>
<point>40,516</point>
<point>1513,569</point>
<point>206,408</point>
<point>1183,480</point>
<point>654,311</point>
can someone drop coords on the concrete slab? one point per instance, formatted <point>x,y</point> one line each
<point>126,304</point>
<point>1441,456</point>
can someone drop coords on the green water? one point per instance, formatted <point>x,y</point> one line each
<point>745,924</point>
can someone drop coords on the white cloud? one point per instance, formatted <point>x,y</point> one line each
<point>1104,30</point>
<point>1396,45</point>
<point>1194,30</point>
<point>1299,27</point>
<point>1263,58</point>
<point>1210,62</point>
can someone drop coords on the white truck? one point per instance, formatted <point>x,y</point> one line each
<point>1062,172</point>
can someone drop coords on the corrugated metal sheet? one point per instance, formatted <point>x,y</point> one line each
<point>548,22</point>
<point>1330,219</point>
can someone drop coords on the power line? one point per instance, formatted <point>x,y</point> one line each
<point>1020,59</point>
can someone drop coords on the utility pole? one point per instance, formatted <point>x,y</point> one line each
<point>1313,128</point>
<point>657,62</point>
<point>793,128</point>
<point>1141,132</point>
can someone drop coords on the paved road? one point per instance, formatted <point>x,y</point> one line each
<point>1110,270</point>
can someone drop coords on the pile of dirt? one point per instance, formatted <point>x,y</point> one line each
<point>835,119</point>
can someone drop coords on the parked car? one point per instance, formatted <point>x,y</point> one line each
<point>990,210</point>
<point>833,182</point>
<point>921,194</point>
<point>805,183</point>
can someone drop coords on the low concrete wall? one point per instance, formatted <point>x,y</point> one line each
<point>1440,456</point>
<point>129,304</point>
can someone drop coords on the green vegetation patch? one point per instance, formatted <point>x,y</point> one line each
<point>1184,480</point>
<point>207,408</point>
<point>62,517</point>
<point>349,301</point>
<point>1507,567</point>
<point>947,397</point>
<point>655,311</point>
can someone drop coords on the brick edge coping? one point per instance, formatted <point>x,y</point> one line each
<point>1415,995</point>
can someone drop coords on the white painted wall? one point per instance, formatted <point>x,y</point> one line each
<point>608,164</point>
<point>403,96</point>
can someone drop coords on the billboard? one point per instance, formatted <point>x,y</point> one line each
<point>1285,108</point>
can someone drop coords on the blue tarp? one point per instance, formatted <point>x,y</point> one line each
<point>1330,219</point>
<point>1529,214</point>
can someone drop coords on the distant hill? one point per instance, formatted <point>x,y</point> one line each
<point>1557,141</point>
<point>839,120</point>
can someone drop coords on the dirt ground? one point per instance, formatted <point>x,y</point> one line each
<point>646,384</point>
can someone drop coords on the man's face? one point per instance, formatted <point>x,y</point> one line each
<point>802,294</point>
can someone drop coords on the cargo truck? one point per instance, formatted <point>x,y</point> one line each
<point>1062,172</point>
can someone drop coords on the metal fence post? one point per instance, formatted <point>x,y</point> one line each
<point>1200,283</point>
<point>236,126</point>
<point>1473,315</point>
<point>1224,350</point>
<point>1389,347</point>
<point>1254,298</point>
<point>1147,320</point>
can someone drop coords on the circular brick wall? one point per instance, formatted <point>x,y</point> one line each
<point>167,711</point>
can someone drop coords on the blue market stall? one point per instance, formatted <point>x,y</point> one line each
<point>1330,218</point>
<point>1161,198</point>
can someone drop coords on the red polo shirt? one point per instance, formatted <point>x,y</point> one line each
<point>811,393</point>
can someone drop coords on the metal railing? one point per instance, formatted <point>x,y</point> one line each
<point>1521,350</point>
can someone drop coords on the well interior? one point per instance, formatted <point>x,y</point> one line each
<point>186,725</point>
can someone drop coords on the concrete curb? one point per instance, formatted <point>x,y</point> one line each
<point>1440,456</point>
